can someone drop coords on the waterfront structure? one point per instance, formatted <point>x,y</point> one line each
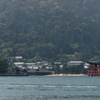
<point>94,69</point>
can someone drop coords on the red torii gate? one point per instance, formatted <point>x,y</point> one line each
<point>94,69</point>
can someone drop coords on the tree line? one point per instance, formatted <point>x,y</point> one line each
<point>6,68</point>
<point>76,69</point>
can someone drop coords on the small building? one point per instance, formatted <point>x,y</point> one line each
<point>49,67</point>
<point>57,63</point>
<point>19,64</point>
<point>75,63</point>
<point>61,66</point>
<point>31,66</point>
<point>94,69</point>
<point>45,63</point>
<point>19,57</point>
<point>86,65</point>
<point>35,68</point>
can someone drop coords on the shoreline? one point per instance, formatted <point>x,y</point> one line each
<point>43,75</point>
<point>67,75</point>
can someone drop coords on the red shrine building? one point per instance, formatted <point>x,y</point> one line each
<point>94,69</point>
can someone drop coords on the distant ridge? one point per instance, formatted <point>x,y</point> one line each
<point>52,30</point>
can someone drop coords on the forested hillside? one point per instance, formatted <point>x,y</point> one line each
<point>53,30</point>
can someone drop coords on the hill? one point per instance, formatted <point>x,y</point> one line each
<point>52,30</point>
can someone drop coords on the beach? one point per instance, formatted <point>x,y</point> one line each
<point>67,75</point>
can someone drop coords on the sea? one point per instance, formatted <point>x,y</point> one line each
<point>49,88</point>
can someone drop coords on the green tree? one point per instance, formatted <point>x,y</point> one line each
<point>17,70</point>
<point>3,66</point>
<point>57,69</point>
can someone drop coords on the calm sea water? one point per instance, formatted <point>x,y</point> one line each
<point>50,88</point>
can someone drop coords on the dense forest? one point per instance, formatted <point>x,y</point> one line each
<point>52,30</point>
